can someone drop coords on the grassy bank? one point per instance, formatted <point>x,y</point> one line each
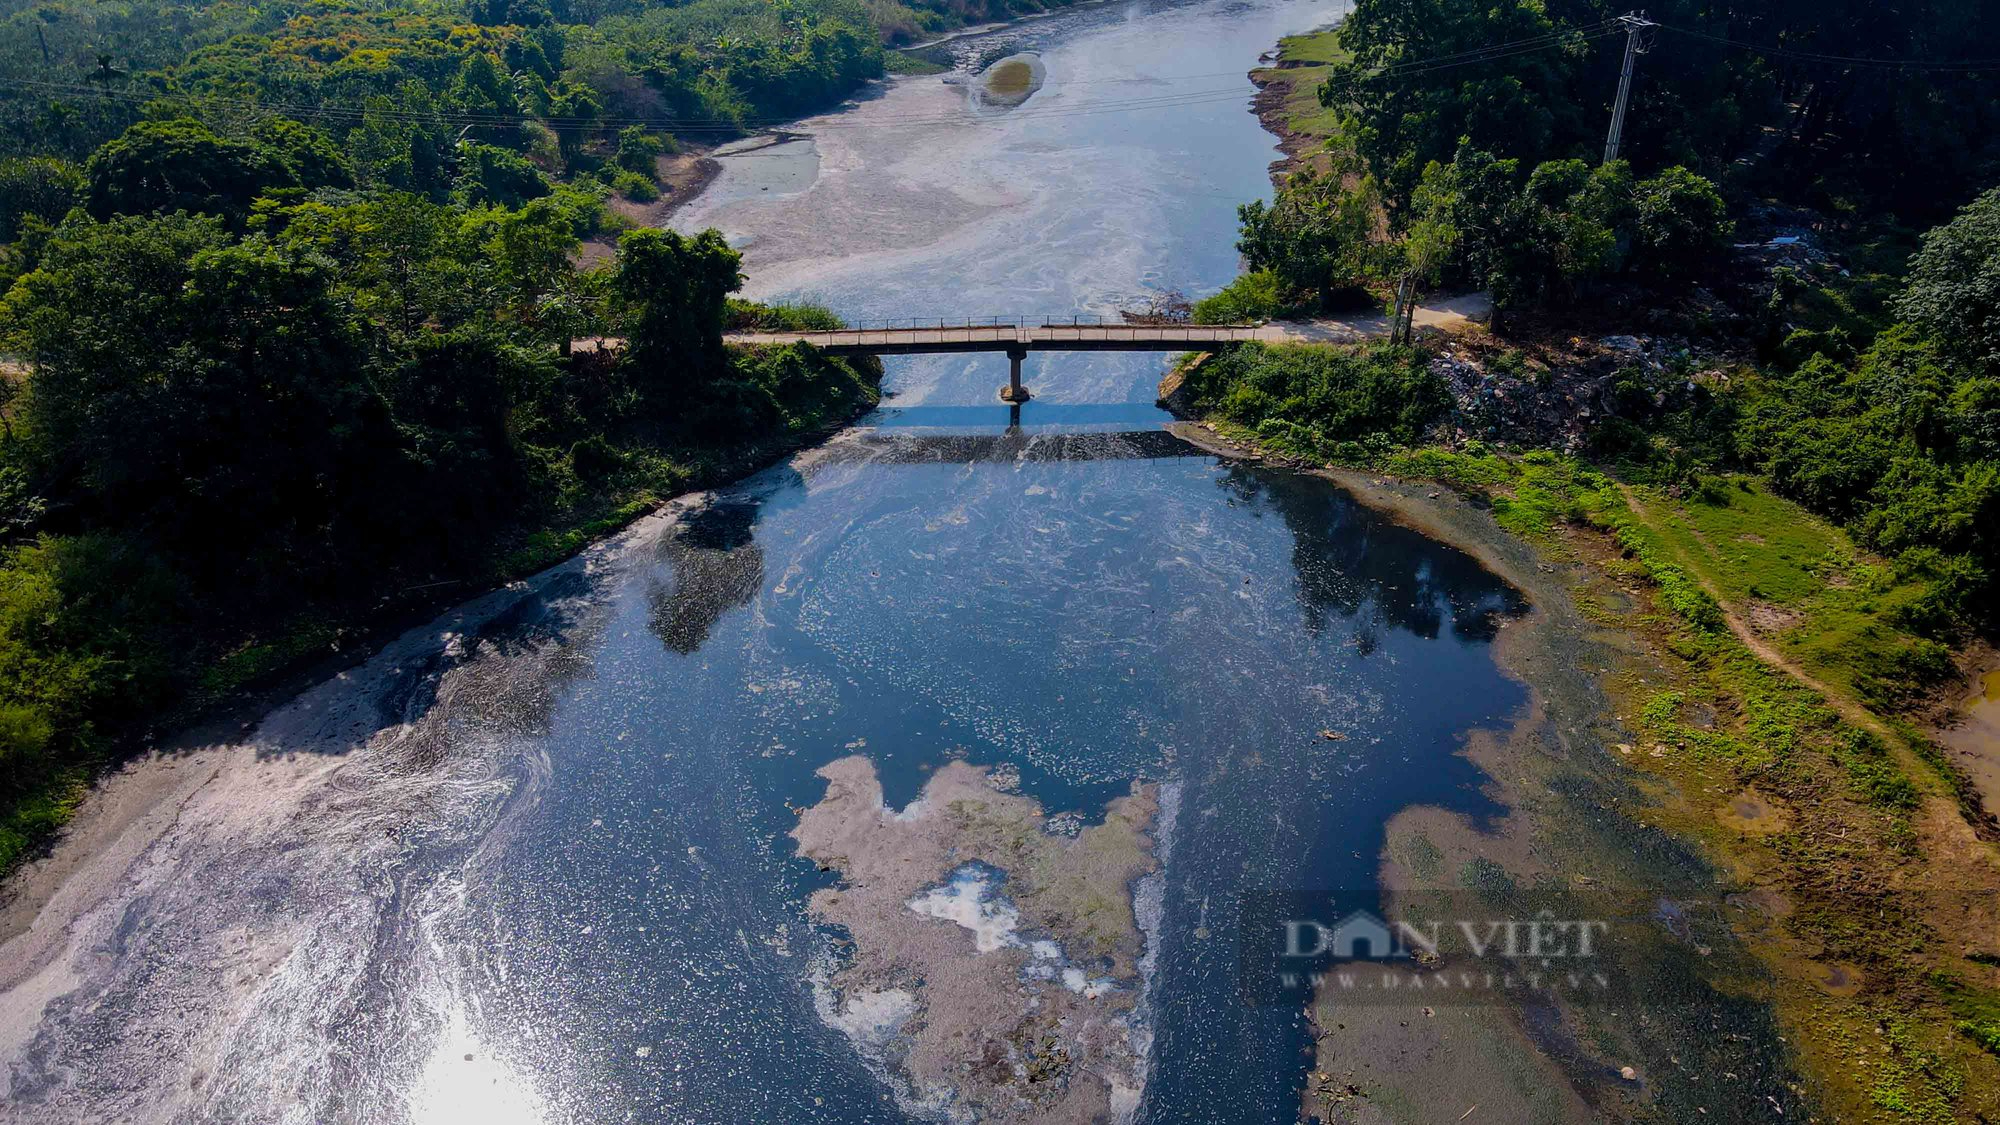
<point>1290,107</point>
<point>1760,709</point>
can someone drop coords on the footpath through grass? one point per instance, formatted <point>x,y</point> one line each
<point>1848,823</point>
<point>1804,587</point>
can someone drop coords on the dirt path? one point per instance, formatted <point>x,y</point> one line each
<point>1449,314</point>
<point>1851,711</point>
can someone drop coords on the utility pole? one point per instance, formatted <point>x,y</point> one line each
<point>1637,43</point>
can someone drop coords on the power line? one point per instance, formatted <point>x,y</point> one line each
<point>1795,54</point>
<point>481,119</point>
<point>1479,54</point>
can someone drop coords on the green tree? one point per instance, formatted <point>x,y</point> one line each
<point>43,187</point>
<point>1567,225</point>
<point>488,174</point>
<point>308,156</point>
<point>204,389</point>
<point>403,260</point>
<point>638,149</point>
<point>1681,226</point>
<point>530,254</point>
<point>676,289</point>
<point>1316,236</point>
<point>1398,121</point>
<point>402,143</point>
<point>180,165</point>
<point>1953,294</point>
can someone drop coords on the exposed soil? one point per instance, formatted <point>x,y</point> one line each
<point>682,176</point>
<point>1586,805</point>
<point>1274,88</point>
<point>1772,619</point>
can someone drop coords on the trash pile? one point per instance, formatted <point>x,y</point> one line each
<point>1502,398</point>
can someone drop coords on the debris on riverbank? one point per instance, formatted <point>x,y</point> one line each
<point>1561,396</point>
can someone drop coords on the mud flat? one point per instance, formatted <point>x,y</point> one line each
<point>1579,822</point>
<point>995,967</point>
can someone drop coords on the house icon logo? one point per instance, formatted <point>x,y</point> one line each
<point>1360,936</point>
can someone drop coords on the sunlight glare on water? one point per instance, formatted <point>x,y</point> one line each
<point>466,1083</point>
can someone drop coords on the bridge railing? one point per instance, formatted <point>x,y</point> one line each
<point>1066,320</point>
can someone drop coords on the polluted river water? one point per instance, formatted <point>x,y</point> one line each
<point>922,777</point>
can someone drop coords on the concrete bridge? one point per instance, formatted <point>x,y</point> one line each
<point>1017,339</point>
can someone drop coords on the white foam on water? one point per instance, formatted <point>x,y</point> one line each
<point>464,1081</point>
<point>969,900</point>
<point>1149,908</point>
<point>874,1017</point>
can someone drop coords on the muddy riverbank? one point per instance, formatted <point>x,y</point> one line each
<point>1579,820</point>
<point>1613,772</point>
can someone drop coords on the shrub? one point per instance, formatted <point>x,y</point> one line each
<point>489,174</point>
<point>1322,394</point>
<point>39,186</point>
<point>635,187</point>
<point>784,316</point>
<point>1954,286</point>
<point>637,150</point>
<point>1254,296</point>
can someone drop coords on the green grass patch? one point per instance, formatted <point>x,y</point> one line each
<point>33,817</point>
<point>906,62</point>
<point>254,660</point>
<point>549,546</point>
<point>1821,599</point>
<point>1311,56</point>
<point>1913,1081</point>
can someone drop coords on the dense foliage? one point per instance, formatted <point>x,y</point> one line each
<point>1850,104</point>
<point>290,294</point>
<point>397,87</point>
<point>1465,133</point>
<point>1902,441</point>
<point>1552,234</point>
<point>228,431</point>
<point>1315,239</point>
<point>1254,296</point>
<point>1376,395</point>
<point>1533,238</point>
<point>1466,151</point>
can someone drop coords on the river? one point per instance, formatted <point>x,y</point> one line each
<point>532,863</point>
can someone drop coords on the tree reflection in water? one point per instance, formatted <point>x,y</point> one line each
<point>714,565</point>
<point>1354,562</point>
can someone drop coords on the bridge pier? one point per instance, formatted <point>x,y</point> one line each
<point>1014,392</point>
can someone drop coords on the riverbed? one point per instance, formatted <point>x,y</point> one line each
<point>563,854</point>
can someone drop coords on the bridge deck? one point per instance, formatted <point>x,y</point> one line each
<point>1001,338</point>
